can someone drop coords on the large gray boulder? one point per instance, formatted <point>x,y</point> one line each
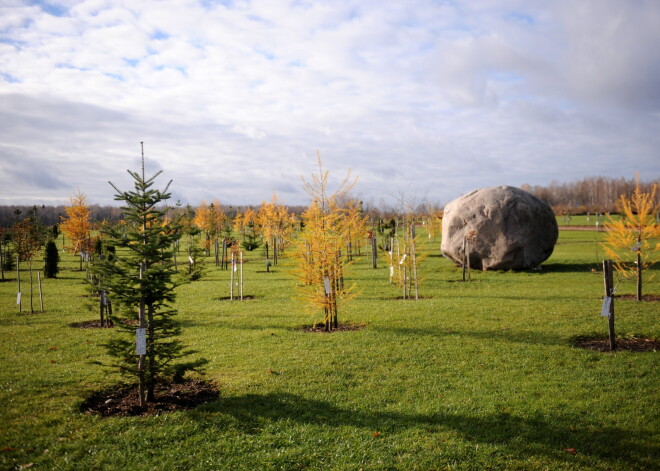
<point>508,228</point>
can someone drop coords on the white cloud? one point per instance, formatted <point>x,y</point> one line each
<point>234,98</point>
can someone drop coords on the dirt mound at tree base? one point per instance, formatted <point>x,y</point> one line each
<point>123,400</point>
<point>631,344</point>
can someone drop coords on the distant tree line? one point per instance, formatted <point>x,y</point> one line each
<point>589,195</point>
<point>51,215</point>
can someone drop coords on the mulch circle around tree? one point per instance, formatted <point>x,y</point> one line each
<point>91,325</point>
<point>123,400</point>
<point>236,298</point>
<point>630,344</point>
<point>320,328</point>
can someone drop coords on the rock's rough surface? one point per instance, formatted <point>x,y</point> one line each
<point>509,229</point>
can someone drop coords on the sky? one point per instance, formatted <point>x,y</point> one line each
<point>421,99</point>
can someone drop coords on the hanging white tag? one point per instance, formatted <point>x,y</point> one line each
<point>140,341</point>
<point>190,259</point>
<point>607,303</point>
<point>18,298</point>
<point>326,283</point>
<point>403,259</point>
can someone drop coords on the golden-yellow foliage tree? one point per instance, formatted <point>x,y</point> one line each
<point>320,259</point>
<point>203,221</point>
<point>274,223</point>
<point>209,218</point>
<point>77,225</point>
<point>632,240</point>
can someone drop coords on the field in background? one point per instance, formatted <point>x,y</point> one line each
<point>478,375</point>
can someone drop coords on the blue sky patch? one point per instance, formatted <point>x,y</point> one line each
<point>9,78</point>
<point>158,34</point>
<point>51,9</point>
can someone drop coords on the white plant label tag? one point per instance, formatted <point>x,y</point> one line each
<point>190,259</point>
<point>235,267</point>
<point>140,341</point>
<point>607,303</point>
<point>18,298</point>
<point>326,283</point>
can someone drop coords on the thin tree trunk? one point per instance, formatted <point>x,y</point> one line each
<point>101,308</point>
<point>151,367</point>
<point>41,294</point>
<point>142,325</point>
<point>464,259</point>
<point>467,259</point>
<point>414,270</point>
<point>609,282</point>
<point>231,278</point>
<point>31,289</point>
<point>18,278</point>
<point>639,275</point>
<point>275,246</point>
<point>2,261</point>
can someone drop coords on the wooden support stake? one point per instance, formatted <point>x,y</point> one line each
<point>41,294</point>
<point>609,292</point>
<point>18,277</point>
<point>639,272</point>
<point>464,267</point>
<point>2,260</point>
<point>31,288</point>
<point>231,278</point>
<point>467,258</point>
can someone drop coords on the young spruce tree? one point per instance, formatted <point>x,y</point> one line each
<point>140,279</point>
<point>51,260</point>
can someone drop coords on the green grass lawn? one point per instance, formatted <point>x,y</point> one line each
<point>478,375</point>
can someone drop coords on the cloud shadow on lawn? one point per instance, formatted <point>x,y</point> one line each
<point>534,436</point>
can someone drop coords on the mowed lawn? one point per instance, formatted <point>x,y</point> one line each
<point>478,375</point>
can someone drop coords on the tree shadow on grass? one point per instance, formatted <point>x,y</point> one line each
<point>503,333</point>
<point>537,435</point>
<point>570,267</point>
